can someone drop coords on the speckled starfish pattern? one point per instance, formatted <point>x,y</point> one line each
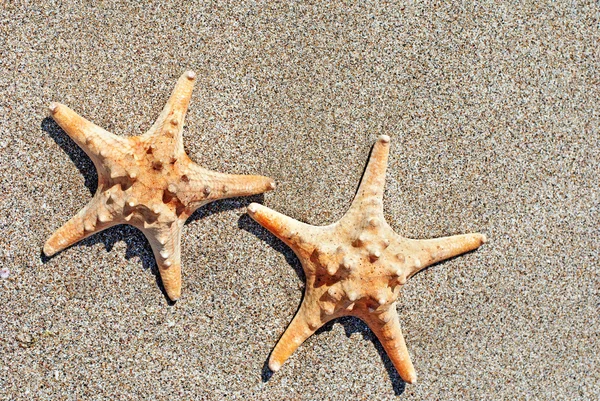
<point>357,266</point>
<point>148,182</point>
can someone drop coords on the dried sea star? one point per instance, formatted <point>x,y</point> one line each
<point>148,182</point>
<point>357,266</point>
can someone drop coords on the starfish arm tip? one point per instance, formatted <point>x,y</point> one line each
<point>171,281</point>
<point>260,184</point>
<point>439,249</point>
<point>49,250</point>
<point>265,216</point>
<point>384,138</point>
<point>230,185</point>
<point>274,365</point>
<point>252,208</point>
<point>170,120</point>
<point>53,107</point>
<point>411,378</point>
<point>165,240</point>
<point>372,184</point>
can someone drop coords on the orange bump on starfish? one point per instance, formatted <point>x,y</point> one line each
<point>357,266</point>
<point>147,181</point>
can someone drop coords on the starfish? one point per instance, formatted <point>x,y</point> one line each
<point>147,181</point>
<point>357,266</point>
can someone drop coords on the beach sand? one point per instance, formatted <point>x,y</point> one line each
<point>494,114</point>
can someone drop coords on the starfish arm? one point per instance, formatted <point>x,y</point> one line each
<point>432,251</point>
<point>170,120</point>
<point>370,191</point>
<point>95,141</point>
<point>165,240</point>
<point>386,327</point>
<point>304,324</point>
<point>297,235</point>
<point>94,217</point>
<point>204,186</point>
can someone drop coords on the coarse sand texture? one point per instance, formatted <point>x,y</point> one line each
<point>493,113</point>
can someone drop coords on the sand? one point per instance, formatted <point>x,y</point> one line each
<point>494,114</point>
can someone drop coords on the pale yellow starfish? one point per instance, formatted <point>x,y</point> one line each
<point>357,266</point>
<point>148,182</point>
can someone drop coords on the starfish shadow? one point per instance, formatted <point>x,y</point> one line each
<point>137,244</point>
<point>246,223</point>
<point>266,373</point>
<point>353,325</point>
<point>366,163</point>
<point>224,205</point>
<point>81,160</point>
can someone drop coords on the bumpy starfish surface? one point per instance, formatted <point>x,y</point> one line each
<point>148,182</point>
<point>357,266</point>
